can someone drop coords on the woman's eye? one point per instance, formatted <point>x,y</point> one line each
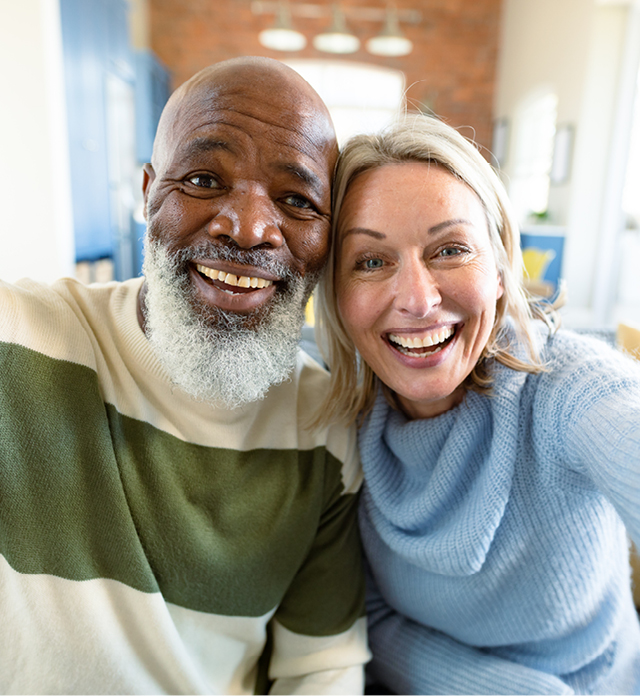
<point>372,264</point>
<point>450,251</point>
<point>203,181</point>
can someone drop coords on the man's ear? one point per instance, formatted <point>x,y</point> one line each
<point>148,177</point>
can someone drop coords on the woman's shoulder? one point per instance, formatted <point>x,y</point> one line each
<point>583,367</point>
<point>570,350</point>
<point>575,363</point>
<point>566,344</point>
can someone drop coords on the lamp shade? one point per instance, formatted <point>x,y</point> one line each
<point>337,39</point>
<point>282,36</point>
<point>390,41</point>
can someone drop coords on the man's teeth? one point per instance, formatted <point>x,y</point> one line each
<point>232,279</point>
<point>432,339</point>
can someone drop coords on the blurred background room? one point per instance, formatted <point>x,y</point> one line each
<point>547,88</point>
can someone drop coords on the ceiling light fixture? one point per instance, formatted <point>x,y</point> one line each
<point>337,39</point>
<point>282,36</point>
<point>390,41</point>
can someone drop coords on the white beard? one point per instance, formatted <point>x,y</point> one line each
<point>217,356</point>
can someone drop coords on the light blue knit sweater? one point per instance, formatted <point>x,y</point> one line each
<point>494,533</point>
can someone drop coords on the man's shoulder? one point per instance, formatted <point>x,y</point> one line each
<point>312,372</point>
<point>300,398</point>
<point>64,295</point>
<point>58,319</point>
<point>311,382</point>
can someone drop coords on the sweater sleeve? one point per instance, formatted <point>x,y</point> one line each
<point>418,660</point>
<point>602,431</point>
<point>319,629</point>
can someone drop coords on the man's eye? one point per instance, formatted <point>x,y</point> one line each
<point>203,181</point>
<point>450,251</point>
<point>297,201</point>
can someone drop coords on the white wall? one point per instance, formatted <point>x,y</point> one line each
<point>36,229</point>
<point>139,22</point>
<point>574,48</point>
<point>592,172</point>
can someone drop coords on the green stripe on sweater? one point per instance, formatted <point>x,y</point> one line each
<point>63,511</point>
<point>87,493</point>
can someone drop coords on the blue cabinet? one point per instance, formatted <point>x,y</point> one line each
<point>152,92</point>
<point>113,101</point>
<point>85,45</point>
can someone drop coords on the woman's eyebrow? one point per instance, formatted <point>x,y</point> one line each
<point>380,235</point>
<point>449,223</point>
<point>364,230</point>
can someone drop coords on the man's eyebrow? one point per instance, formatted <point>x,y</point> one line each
<point>304,174</point>
<point>203,144</point>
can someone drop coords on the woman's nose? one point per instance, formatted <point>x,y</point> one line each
<point>417,290</point>
<point>251,219</point>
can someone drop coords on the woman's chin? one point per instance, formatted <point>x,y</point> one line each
<point>429,407</point>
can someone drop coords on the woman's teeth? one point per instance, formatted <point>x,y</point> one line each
<point>235,280</point>
<point>407,345</point>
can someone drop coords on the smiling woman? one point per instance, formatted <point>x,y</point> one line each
<point>501,455</point>
<point>417,281</point>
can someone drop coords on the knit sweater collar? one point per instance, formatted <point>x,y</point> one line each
<point>436,489</point>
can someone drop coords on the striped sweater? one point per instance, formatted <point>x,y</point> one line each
<point>153,544</point>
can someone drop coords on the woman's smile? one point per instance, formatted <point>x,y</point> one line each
<point>420,346</point>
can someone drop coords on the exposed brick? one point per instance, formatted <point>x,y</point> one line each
<point>451,69</point>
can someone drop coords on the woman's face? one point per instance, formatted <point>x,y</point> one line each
<point>417,281</point>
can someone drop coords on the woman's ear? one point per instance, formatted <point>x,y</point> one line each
<point>500,288</point>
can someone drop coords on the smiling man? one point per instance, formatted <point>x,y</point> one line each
<point>167,524</point>
<point>238,200</point>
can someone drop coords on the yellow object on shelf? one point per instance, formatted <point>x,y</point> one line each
<point>536,262</point>
<point>634,558</point>
<point>309,316</point>
<point>628,340</point>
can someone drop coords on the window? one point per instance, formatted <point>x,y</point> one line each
<point>535,128</point>
<point>361,98</point>
<point>628,256</point>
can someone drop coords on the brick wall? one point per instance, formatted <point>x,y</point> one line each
<point>451,69</point>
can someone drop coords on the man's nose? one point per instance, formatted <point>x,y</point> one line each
<point>417,290</point>
<point>249,218</point>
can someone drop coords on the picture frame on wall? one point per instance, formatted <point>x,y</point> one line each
<point>562,154</point>
<point>500,141</point>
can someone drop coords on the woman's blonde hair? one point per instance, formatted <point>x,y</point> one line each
<point>425,139</point>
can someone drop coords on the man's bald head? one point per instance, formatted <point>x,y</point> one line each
<point>253,85</point>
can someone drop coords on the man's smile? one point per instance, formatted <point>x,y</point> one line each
<point>234,280</point>
<point>234,288</point>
